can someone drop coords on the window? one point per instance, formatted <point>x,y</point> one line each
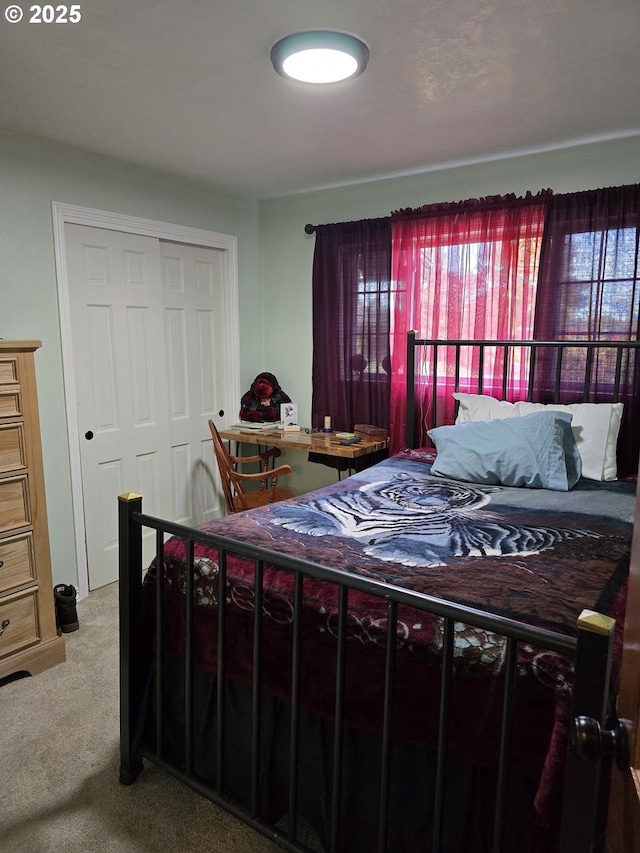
<point>464,273</point>
<point>371,331</point>
<point>598,291</point>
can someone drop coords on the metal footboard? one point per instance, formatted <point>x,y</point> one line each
<point>592,651</point>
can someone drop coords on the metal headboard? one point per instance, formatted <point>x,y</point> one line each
<point>556,349</point>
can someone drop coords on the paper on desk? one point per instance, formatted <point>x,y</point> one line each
<point>255,427</point>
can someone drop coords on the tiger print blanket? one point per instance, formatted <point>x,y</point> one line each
<point>531,555</point>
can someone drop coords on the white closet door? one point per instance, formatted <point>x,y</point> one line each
<point>120,378</point>
<point>197,369</point>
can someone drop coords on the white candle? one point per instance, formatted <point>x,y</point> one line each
<point>327,422</point>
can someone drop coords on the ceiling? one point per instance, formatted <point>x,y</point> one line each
<point>188,88</point>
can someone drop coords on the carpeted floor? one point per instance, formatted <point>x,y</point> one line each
<point>59,788</point>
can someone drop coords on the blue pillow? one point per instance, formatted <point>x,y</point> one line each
<point>538,451</point>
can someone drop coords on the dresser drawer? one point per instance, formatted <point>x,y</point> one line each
<point>13,455</point>
<point>15,510</point>
<point>19,615</point>
<point>10,402</point>
<point>9,371</point>
<point>17,562</point>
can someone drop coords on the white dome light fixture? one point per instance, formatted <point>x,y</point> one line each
<point>320,56</point>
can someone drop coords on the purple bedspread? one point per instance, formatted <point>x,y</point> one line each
<point>535,556</point>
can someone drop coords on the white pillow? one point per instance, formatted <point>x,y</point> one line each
<point>595,426</point>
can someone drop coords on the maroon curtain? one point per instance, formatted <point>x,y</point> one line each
<point>589,289</point>
<point>351,282</point>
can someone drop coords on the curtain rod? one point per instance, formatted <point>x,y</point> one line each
<point>449,207</point>
<point>310,229</point>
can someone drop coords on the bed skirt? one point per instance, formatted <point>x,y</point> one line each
<point>469,791</point>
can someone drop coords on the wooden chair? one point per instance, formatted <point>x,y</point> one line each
<point>236,498</point>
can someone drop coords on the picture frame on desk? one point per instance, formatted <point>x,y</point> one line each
<point>289,415</point>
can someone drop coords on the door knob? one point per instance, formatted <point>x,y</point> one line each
<point>593,742</point>
<point>88,435</point>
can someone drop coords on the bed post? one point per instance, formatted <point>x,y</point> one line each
<point>130,592</point>
<point>583,818</point>
<point>411,391</point>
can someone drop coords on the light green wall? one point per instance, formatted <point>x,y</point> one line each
<point>32,175</point>
<point>286,252</point>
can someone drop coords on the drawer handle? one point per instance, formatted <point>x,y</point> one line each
<point>1,563</point>
<point>5,624</point>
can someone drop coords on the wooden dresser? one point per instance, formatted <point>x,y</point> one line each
<point>28,639</point>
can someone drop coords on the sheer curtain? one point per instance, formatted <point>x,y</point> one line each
<point>351,318</point>
<point>462,270</point>
<point>589,289</point>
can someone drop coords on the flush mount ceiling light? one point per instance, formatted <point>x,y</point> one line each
<point>319,56</point>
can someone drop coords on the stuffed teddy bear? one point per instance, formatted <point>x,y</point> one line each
<point>262,401</point>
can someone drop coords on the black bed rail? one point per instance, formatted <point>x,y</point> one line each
<point>590,699</point>
<point>555,353</point>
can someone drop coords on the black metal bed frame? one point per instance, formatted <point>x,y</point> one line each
<point>591,652</point>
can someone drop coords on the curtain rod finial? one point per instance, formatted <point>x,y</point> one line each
<point>309,229</point>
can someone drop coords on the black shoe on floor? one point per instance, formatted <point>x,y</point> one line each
<point>66,613</point>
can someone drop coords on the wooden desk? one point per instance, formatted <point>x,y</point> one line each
<point>309,442</point>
